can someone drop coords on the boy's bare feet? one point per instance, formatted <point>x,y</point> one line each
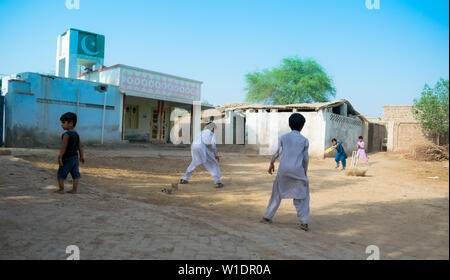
<point>59,191</point>
<point>72,191</point>
<point>265,221</point>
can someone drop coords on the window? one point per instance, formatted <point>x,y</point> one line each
<point>132,116</point>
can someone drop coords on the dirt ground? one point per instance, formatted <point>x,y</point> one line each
<point>401,206</point>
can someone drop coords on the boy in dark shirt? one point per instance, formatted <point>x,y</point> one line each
<point>68,153</point>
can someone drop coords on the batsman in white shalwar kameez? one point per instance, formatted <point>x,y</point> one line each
<point>202,155</point>
<point>291,180</point>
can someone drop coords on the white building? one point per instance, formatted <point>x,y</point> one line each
<point>148,98</point>
<point>257,124</point>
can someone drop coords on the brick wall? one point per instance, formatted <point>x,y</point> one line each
<point>403,129</point>
<point>399,113</point>
<point>407,135</point>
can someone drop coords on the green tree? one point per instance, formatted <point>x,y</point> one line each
<point>294,81</point>
<point>431,109</point>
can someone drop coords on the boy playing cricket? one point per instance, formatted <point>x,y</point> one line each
<point>341,156</point>
<point>68,153</point>
<point>291,181</point>
<point>201,155</point>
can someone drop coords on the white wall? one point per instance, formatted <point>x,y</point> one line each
<point>344,129</point>
<point>108,76</point>
<point>263,129</point>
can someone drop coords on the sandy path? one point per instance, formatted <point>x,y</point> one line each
<point>395,207</point>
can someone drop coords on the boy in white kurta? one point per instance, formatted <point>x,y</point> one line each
<point>291,180</point>
<point>202,155</point>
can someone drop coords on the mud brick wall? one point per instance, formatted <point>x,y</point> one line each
<point>398,113</point>
<point>403,129</point>
<point>407,135</point>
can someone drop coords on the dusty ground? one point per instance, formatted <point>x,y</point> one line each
<point>121,213</point>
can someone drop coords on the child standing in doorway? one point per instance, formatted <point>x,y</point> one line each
<point>68,153</point>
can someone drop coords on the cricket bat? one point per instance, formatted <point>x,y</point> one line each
<point>328,150</point>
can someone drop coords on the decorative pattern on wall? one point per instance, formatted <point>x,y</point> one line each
<point>345,120</point>
<point>158,86</point>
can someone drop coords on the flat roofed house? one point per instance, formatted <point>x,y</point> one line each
<point>148,98</point>
<point>260,125</point>
<point>113,103</point>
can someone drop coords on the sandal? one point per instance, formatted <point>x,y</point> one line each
<point>265,221</point>
<point>304,227</point>
<point>182,181</point>
<point>219,185</point>
<point>167,191</point>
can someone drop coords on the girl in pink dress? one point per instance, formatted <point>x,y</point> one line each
<point>361,151</point>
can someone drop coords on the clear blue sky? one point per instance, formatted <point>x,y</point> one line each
<point>375,57</point>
